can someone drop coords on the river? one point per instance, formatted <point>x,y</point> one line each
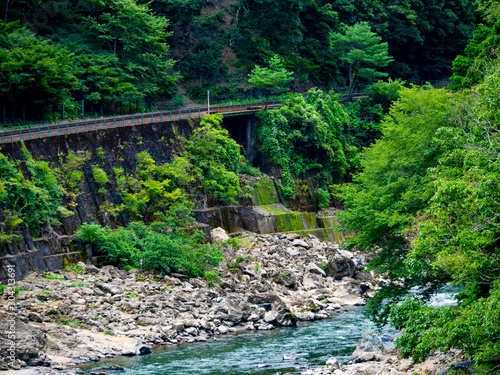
<point>311,342</point>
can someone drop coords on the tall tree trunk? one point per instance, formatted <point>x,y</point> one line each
<point>267,99</point>
<point>6,10</point>
<point>352,84</point>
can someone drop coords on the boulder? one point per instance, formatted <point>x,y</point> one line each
<point>313,268</point>
<point>332,363</point>
<point>113,272</point>
<point>339,267</point>
<point>228,310</point>
<point>300,243</point>
<point>285,318</point>
<point>287,279</point>
<point>29,344</point>
<point>376,345</point>
<point>135,347</point>
<point>110,288</point>
<point>219,235</point>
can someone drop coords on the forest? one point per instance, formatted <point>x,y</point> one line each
<point>415,168</point>
<point>173,51</point>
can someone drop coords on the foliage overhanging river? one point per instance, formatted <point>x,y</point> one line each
<point>312,343</point>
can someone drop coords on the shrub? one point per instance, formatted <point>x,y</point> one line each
<point>323,197</point>
<point>153,248</point>
<point>100,176</point>
<point>248,169</point>
<point>216,160</point>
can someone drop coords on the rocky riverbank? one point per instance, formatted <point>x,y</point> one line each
<point>377,355</point>
<point>86,313</point>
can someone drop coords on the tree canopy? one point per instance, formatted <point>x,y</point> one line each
<point>427,201</point>
<point>361,53</point>
<point>272,78</point>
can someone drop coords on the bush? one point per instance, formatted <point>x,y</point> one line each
<point>248,169</point>
<point>216,160</point>
<point>323,197</point>
<point>34,200</point>
<point>305,138</point>
<point>154,248</point>
<point>100,176</point>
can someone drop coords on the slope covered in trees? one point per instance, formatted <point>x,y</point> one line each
<point>117,52</point>
<point>427,202</point>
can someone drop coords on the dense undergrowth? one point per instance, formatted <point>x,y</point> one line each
<point>316,140</point>
<point>156,247</point>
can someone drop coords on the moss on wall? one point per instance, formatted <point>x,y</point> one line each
<point>309,220</point>
<point>289,222</point>
<point>275,208</point>
<point>264,192</point>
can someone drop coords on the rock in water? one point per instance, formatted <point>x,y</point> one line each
<point>114,368</point>
<point>137,347</point>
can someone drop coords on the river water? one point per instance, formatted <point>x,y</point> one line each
<point>311,342</point>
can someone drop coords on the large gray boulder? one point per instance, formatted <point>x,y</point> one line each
<point>374,345</point>
<point>29,344</point>
<point>135,347</point>
<point>219,235</point>
<point>339,267</point>
<point>229,309</point>
<point>285,278</point>
<point>110,288</point>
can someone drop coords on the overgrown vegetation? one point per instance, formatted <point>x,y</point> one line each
<point>427,200</point>
<point>32,201</point>
<point>156,247</point>
<point>315,137</point>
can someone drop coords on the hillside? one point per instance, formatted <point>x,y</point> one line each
<point>122,54</point>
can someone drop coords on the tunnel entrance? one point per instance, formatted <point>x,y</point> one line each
<point>242,129</point>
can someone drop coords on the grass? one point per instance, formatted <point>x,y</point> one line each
<point>74,323</point>
<point>55,276</point>
<point>238,260</point>
<point>74,268</point>
<point>78,283</point>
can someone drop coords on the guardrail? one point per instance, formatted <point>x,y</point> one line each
<point>103,123</point>
<point>81,126</point>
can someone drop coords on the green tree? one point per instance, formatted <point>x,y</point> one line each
<point>178,11</point>
<point>274,78</point>
<point>469,68</point>
<point>361,53</point>
<point>305,138</point>
<point>415,31</point>
<point>131,32</point>
<point>458,236</point>
<point>32,70</point>
<point>394,185</point>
